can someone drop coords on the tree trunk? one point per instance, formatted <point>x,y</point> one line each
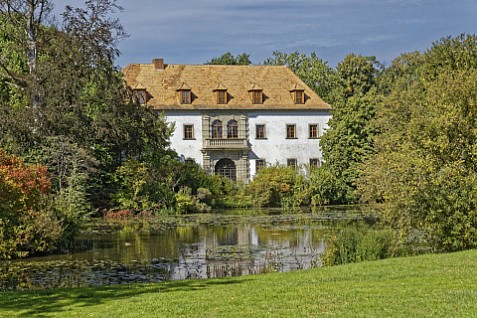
<point>31,36</point>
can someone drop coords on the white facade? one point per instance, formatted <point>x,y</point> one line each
<point>274,148</point>
<point>187,148</point>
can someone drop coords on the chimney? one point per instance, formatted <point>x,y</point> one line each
<point>158,64</point>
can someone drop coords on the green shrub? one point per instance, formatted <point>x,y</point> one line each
<point>273,185</point>
<point>374,245</point>
<point>352,245</point>
<point>342,248</point>
<point>186,202</point>
<point>325,188</point>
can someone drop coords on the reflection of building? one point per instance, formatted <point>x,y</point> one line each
<point>234,119</point>
<point>246,249</point>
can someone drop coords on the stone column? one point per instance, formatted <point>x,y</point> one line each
<point>243,126</point>
<point>243,168</point>
<point>205,127</point>
<point>207,163</point>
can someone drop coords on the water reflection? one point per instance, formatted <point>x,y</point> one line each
<point>180,252</point>
<point>247,249</point>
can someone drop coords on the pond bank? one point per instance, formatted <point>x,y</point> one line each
<point>441,285</point>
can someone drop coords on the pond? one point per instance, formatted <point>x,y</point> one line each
<point>192,246</point>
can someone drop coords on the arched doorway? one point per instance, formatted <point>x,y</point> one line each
<point>226,168</point>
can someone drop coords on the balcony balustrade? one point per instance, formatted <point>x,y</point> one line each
<point>225,143</point>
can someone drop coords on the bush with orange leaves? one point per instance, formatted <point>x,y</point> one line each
<point>27,223</point>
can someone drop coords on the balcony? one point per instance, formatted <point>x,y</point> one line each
<point>222,143</point>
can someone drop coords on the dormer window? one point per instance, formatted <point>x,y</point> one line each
<point>184,94</point>
<point>139,96</point>
<point>221,97</point>
<point>298,94</point>
<point>257,97</point>
<point>185,97</point>
<point>299,97</point>
<point>221,94</point>
<point>256,94</point>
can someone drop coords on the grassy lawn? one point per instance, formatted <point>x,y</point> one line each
<point>426,286</point>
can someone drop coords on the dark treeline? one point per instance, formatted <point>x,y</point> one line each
<point>74,145</point>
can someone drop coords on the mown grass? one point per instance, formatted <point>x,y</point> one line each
<point>442,285</point>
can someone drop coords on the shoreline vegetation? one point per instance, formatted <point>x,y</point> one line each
<point>437,285</point>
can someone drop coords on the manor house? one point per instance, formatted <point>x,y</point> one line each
<point>234,120</point>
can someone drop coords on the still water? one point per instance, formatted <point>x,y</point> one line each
<point>199,246</point>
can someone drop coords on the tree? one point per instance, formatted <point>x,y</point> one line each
<point>23,20</point>
<point>349,139</point>
<point>425,168</point>
<point>82,103</point>
<point>316,73</point>
<point>457,53</point>
<point>94,140</point>
<point>358,73</point>
<point>229,59</point>
<point>351,90</point>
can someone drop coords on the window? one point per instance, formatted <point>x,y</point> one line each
<point>257,97</point>
<point>314,162</point>
<point>188,131</point>
<point>140,97</point>
<point>216,129</point>
<point>221,97</point>
<point>259,164</point>
<point>184,93</point>
<point>185,97</point>
<point>298,94</point>
<point>221,94</point>
<point>299,97</point>
<point>260,132</point>
<point>313,131</point>
<point>291,162</point>
<point>256,94</point>
<point>232,129</point>
<point>291,131</point>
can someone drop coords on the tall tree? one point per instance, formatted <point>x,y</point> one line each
<point>425,168</point>
<point>349,139</point>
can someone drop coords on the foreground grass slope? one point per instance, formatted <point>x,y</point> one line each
<point>426,286</point>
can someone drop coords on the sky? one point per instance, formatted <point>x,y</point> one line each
<point>195,31</point>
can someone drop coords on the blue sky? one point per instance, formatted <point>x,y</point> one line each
<point>195,31</point>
